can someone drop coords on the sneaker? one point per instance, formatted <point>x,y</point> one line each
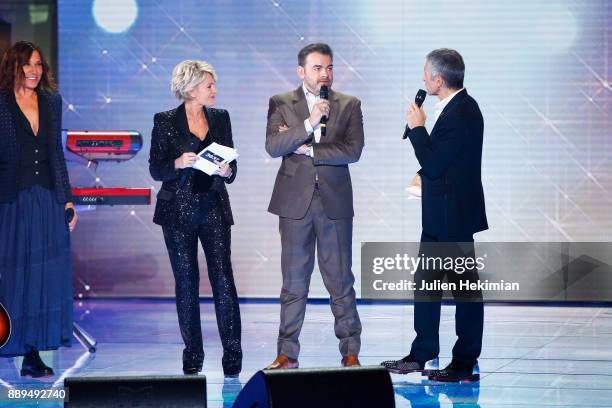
<point>456,372</point>
<point>409,365</point>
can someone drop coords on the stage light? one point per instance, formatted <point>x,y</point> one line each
<point>115,16</point>
<point>556,30</point>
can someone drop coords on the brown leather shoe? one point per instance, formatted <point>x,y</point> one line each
<point>283,361</point>
<point>351,361</point>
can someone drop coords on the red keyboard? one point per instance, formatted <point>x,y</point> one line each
<point>111,196</point>
<point>116,145</point>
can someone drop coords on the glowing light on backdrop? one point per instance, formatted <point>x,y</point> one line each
<point>108,18</point>
<point>556,30</point>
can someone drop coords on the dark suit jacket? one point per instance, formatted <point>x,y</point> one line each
<point>9,149</point>
<point>169,140</point>
<point>342,145</point>
<point>452,194</point>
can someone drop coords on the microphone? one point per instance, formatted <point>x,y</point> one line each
<point>418,99</point>
<point>69,215</point>
<point>324,94</point>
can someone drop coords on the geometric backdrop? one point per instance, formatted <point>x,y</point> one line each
<point>539,71</point>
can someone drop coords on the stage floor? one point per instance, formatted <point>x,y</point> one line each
<point>532,356</point>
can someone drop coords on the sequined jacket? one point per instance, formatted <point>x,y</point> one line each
<point>9,149</point>
<point>176,201</point>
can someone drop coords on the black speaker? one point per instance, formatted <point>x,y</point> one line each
<point>151,391</point>
<point>321,388</point>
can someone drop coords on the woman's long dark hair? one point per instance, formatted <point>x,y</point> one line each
<point>14,59</point>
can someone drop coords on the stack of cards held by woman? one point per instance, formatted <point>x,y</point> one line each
<point>213,156</point>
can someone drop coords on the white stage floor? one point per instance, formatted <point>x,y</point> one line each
<point>533,356</point>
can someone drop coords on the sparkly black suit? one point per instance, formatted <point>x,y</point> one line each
<point>186,215</point>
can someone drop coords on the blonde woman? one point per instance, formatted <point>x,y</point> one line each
<point>192,206</point>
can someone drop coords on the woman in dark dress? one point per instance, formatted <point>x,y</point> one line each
<point>192,206</point>
<point>35,265</point>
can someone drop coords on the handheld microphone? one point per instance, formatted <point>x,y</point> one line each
<point>418,99</point>
<point>69,215</point>
<point>324,94</point>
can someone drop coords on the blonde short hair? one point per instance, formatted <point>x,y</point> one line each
<point>187,75</point>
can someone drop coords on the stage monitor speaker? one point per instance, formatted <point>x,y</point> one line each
<point>321,388</point>
<point>150,391</point>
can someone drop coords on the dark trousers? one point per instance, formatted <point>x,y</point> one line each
<point>182,242</point>
<point>469,312</point>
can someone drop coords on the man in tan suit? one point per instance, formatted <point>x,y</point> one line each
<point>313,198</point>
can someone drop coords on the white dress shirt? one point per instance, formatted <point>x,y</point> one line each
<point>439,107</point>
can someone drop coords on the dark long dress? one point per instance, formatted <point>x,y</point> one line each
<point>35,263</point>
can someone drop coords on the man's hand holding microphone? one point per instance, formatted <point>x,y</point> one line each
<point>318,116</point>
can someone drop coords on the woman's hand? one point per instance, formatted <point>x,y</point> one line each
<point>224,170</point>
<point>185,160</point>
<point>72,224</point>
